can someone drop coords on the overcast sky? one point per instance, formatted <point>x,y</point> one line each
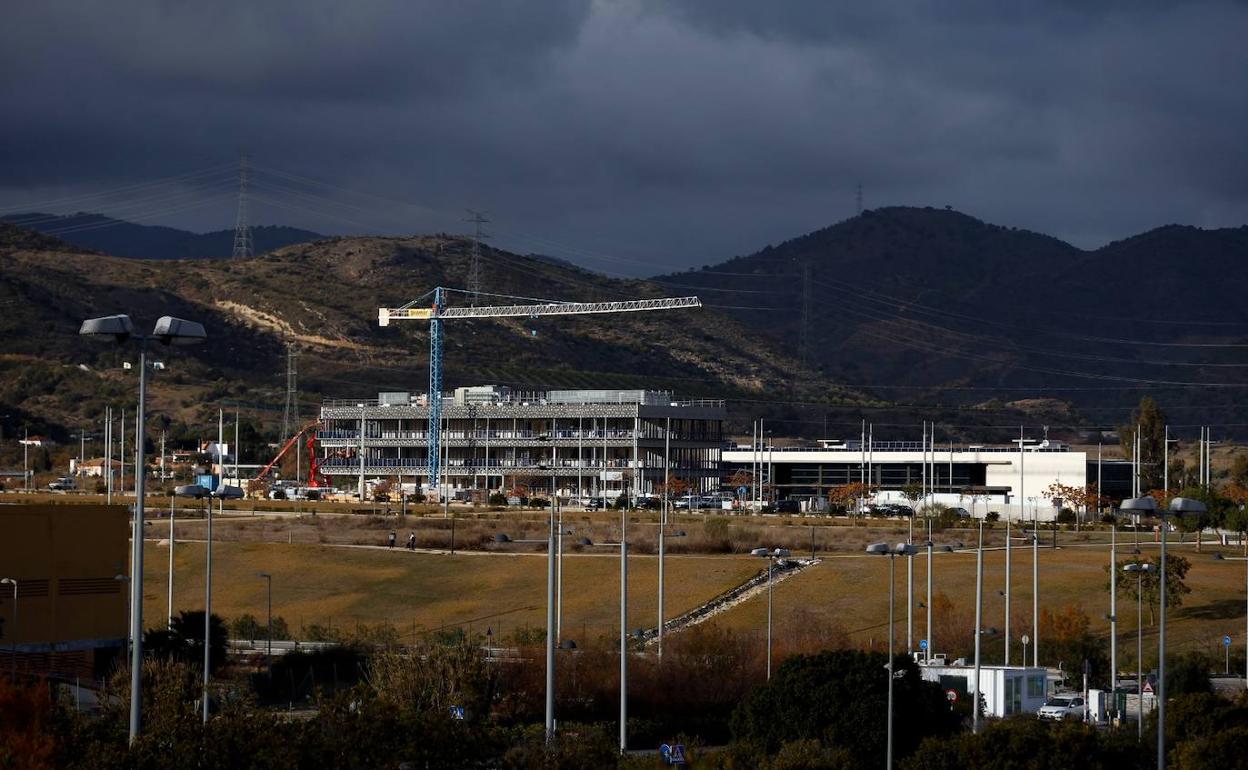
<point>632,137</point>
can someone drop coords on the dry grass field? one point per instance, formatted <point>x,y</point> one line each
<point>344,586</point>
<point>846,597</point>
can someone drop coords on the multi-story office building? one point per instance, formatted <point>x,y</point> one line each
<point>580,443</point>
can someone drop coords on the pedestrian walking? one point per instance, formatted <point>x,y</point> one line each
<point>411,542</point>
<point>393,536</point>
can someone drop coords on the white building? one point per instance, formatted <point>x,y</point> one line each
<point>1005,691</point>
<point>977,478</point>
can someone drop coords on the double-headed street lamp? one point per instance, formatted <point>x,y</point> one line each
<point>168,331</point>
<point>884,549</point>
<point>1179,506</point>
<point>770,556</point>
<point>1139,569</point>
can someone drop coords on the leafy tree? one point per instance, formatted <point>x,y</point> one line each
<point>1239,470</point>
<point>1148,584</point>
<point>1188,673</point>
<point>183,641</point>
<point>246,627</point>
<point>1068,639</point>
<point>840,699</point>
<point>1152,428</point>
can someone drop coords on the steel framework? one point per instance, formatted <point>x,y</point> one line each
<point>437,311</point>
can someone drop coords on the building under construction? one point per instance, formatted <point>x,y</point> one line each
<point>582,444</point>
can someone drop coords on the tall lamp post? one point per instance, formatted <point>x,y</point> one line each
<point>268,579</point>
<point>931,548</point>
<point>1220,557</point>
<point>168,331</point>
<point>1139,569</point>
<point>770,556</point>
<point>13,630</point>
<point>979,617</point>
<point>884,549</point>
<point>1179,506</point>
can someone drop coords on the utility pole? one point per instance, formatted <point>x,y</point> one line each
<point>804,341</point>
<point>242,230</point>
<point>290,414</point>
<point>477,218</point>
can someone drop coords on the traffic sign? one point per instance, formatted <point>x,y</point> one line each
<point>673,754</point>
<point>952,695</point>
<point>457,712</point>
<point>1148,688</point>
<point>741,491</point>
<point>923,645</point>
<point>1226,641</point>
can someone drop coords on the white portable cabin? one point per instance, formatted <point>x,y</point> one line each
<point>1006,691</point>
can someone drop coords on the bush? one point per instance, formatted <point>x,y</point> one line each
<point>839,699</point>
<point>1065,516</point>
<point>498,498</point>
<point>992,517</point>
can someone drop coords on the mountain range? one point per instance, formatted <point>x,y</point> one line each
<point>893,316</point>
<point>95,232</point>
<point>935,305</point>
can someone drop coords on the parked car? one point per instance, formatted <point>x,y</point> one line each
<point>961,513</point>
<point>788,506</point>
<point>1061,707</point>
<point>63,484</point>
<point>594,504</point>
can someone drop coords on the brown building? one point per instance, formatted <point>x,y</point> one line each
<point>71,611</point>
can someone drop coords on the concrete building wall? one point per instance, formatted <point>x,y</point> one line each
<point>65,559</point>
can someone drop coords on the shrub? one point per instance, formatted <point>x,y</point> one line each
<point>1065,516</point>
<point>498,498</point>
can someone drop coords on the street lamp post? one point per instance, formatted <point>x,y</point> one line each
<point>13,630</point>
<point>931,547</point>
<point>1178,506</point>
<point>883,549</point>
<point>1139,569</point>
<point>171,544</point>
<point>268,579</point>
<point>770,556</point>
<point>551,618</point>
<point>979,613</point>
<point>169,331</point>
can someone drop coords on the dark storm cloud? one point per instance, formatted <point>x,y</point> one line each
<point>647,135</point>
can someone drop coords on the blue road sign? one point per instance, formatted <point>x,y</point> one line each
<point>741,491</point>
<point>923,645</point>
<point>1226,641</point>
<point>457,712</point>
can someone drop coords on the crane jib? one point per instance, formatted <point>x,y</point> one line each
<point>386,315</point>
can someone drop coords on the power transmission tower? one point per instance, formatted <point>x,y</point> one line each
<point>474,266</point>
<point>290,415</point>
<point>804,334</point>
<point>242,230</point>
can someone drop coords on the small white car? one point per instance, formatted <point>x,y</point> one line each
<point>1061,707</point>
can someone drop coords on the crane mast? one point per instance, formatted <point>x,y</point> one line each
<point>437,311</point>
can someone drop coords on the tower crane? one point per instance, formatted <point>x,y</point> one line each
<point>432,307</point>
